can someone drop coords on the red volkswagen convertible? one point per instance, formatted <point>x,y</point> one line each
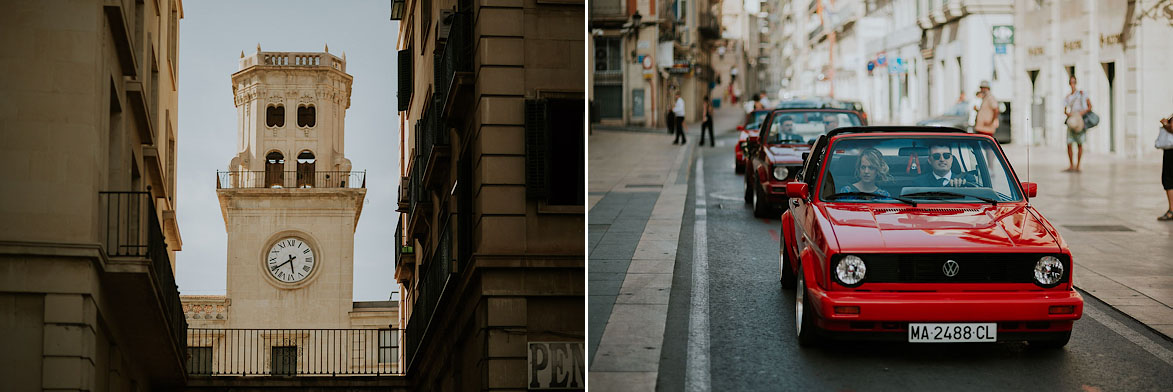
<point>922,235</point>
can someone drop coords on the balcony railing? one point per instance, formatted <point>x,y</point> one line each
<point>293,352</point>
<point>290,179</point>
<point>432,284</point>
<point>132,230</point>
<point>455,56</point>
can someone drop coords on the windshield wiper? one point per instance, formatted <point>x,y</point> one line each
<point>841,195</point>
<point>946,193</point>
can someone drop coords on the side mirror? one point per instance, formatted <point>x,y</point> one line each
<point>751,140</point>
<point>806,155</point>
<point>797,189</point>
<point>1030,188</point>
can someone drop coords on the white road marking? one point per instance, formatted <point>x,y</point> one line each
<point>1152,347</point>
<point>698,318</point>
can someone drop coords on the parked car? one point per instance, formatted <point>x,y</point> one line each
<point>753,120</point>
<point>877,246</point>
<point>960,116</point>
<point>776,156</point>
<point>825,103</point>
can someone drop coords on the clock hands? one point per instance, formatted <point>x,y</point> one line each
<point>290,262</point>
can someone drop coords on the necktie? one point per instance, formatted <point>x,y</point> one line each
<point>944,182</point>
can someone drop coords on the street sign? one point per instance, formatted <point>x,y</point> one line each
<point>1000,49</point>
<point>1003,34</point>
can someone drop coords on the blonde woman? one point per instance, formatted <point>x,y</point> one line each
<point>869,170</point>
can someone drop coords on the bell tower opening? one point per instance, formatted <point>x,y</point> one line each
<point>305,169</point>
<point>275,116</point>
<point>306,116</point>
<point>274,170</point>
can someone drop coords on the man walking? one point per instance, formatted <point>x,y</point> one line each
<point>708,123</point>
<point>1075,106</point>
<point>678,111</point>
<point>987,112</point>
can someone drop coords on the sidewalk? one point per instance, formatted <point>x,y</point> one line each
<point>638,185</point>
<point>1107,214</point>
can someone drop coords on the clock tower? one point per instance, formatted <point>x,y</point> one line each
<point>289,198</point>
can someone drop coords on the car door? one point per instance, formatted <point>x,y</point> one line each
<point>800,209</point>
<point>757,155</point>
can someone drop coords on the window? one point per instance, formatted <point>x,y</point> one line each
<point>388,346</point>
<point>406,82</point>
<point>555,153</point>
<point>305,169</point>
<point>173,41</point>
<point>284,361</point>
<point>274,170</point>
<point>305,116</point>
<point>275,116</point>
<point>607,55</point>
<point>199,360</point>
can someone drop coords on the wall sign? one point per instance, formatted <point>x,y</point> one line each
<point>1003,34</point>
<point>556,365</point>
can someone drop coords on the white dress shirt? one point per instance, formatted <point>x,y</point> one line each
<point>942,179</point>
<point>678,110</point>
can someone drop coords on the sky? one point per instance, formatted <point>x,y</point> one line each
<point>211,36</point>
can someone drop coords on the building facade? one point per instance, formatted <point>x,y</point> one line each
<point>1119,53</point>
<point>88,299</point>
<point>491,254</point>
<point>290,202</point>
<point>646,51</point>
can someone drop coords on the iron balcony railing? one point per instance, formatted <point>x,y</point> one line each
<point>293,352</point>
<point>455,56</point>
<point>132,229</point>
<point>290,179</point>
<point>433,282</point>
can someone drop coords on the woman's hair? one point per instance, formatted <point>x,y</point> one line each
<point>877,159</point>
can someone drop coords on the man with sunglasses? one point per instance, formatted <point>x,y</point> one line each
<point>941,161</point>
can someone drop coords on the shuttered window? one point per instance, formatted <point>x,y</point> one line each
<point>555,151</point>
<point>405,79</point>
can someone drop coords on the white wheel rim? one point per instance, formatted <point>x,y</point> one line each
<point>798,298</point>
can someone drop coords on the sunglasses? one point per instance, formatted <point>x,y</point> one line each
<point>942,155</point>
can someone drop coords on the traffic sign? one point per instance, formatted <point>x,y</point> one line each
<point>1003,34</point>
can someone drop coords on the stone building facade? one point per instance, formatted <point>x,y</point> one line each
<point>290,186</point>
<point>491,260</point>
<point>1119,52</point>
<point>88,299</point>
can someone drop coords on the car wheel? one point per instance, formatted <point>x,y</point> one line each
<point>1051,343</point>
<point>761,206</point>
<point>804,321</point>
<point>786,274</point>
<point>748,190</point>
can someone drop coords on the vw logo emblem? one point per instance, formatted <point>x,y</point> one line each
<point>950,268</point>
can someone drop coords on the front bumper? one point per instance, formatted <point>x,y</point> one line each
<point>1015,312</point>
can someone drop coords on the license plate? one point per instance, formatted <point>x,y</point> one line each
<point>952,332</point>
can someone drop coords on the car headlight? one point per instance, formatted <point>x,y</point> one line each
<point>1048,271</point>
<point>780,172</point>
<point>851,270</point>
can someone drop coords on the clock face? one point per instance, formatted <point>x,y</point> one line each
<point>290,260</point>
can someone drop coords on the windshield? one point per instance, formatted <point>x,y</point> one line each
<point>754,119</point>
<point>920,169</point>
<point>803,127</point>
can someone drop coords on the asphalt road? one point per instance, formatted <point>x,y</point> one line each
<point>751,343</point>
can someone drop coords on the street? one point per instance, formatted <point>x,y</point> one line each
<point>741,329</point>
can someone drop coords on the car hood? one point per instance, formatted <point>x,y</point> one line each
<point>787,153</point>
<point>966,227</point>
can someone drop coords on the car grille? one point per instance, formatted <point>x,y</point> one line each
<point>972,268</point>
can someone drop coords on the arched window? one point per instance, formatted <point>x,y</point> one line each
<point>305,169</point>
<point>275,116</point>
<point>305,116</point>
<point>274,170</point>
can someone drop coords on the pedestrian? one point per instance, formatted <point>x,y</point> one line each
<point>1075,106</point>
<point>757,102</point>
<point>987,114</point>
<point>678,111</point>
<point>765,100</point>
<point>708,123</point>
<point>670,120</point>
<point>1167,165</point>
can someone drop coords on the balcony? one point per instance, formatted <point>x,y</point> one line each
<point>420,201</point>
<point>432,147</point>
<point>404,256</point>
<point>709,26</point>
<point>293,352</point>
<point>243,179</point>
<point>433,283</point>
<point>141,282</point>
<point>453,71</point>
